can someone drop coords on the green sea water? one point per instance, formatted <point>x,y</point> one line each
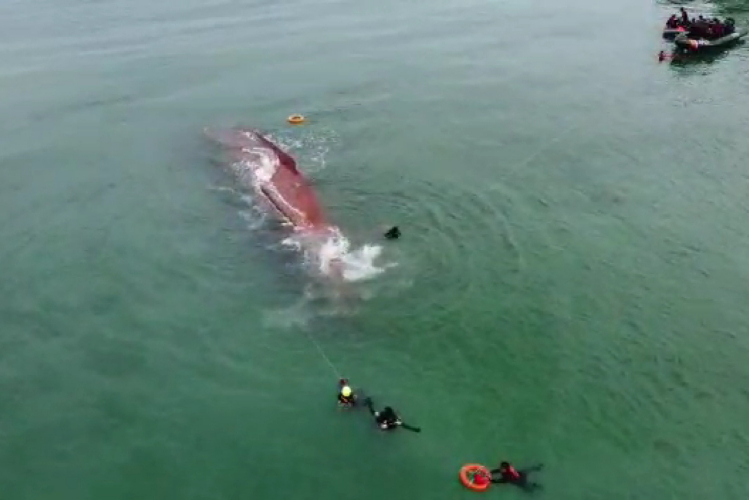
<point>570,286</point>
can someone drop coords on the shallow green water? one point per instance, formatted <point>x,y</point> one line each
<point>570,286</point>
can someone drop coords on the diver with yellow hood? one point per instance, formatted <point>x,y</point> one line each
<point>346,396</point>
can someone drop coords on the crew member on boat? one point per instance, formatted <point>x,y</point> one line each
<point>711,29</point>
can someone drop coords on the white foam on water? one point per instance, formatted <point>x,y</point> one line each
<point>359,264</point>
<point>342,273</point>
<point>331,254</point>
<point>254,217</point>
<point>292,243</point>
<point>222,189</point>
<point>266,166</point>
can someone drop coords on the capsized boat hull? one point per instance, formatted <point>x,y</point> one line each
<point>273,174</point>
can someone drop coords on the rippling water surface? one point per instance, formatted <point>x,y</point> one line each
<point>569,289</point>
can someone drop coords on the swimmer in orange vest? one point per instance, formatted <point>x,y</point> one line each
<point>508,474</point>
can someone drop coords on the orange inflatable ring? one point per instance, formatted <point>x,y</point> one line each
<point>469,471</point>
<point>296,119</point>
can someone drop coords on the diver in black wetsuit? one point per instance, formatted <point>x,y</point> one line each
<point>729,27</point>
<point>506,473</point>
<point>387,419</point>
<point>393,233</point>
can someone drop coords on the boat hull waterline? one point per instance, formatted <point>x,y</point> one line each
<point>684,42</point>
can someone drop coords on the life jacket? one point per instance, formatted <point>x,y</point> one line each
<point>511,473</point>
<point>480,479</point>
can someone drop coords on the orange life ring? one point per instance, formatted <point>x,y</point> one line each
<point>468,471</point>
<point>296,119</point>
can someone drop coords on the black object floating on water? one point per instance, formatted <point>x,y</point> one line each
<point>393,233</point>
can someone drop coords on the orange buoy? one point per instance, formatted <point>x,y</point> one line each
<point>469,474</point>
<point>296,119</point>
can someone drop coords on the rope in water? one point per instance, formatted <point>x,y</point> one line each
<point>324,356</point>
<point>538,152</point>
<point>535,154</point>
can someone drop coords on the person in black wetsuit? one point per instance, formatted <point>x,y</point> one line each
<point>506,473</point>
<point>393,233</point>
<point>386,419</point>
<point>729,27</point>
